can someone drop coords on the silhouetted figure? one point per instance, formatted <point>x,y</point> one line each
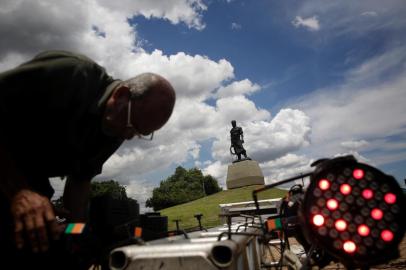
<point>78,116</point>
<point>237,139</point>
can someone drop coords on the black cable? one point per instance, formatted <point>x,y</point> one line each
<point>242,225</point>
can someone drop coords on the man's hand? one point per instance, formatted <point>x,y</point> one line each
<point>33,215</point>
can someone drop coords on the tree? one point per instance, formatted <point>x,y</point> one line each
<point>111,187</point>
<point>211,185</point>
<point>183,186</point>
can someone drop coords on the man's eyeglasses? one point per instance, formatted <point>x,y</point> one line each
<point>130,125</point>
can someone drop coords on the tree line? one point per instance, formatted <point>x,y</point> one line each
<point>181,187</point>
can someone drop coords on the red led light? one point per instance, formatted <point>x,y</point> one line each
<point>387,235</point>
<point>324,184</point>
<point>358,174</point>
<point>318,220</point>
<point>390,198</point>
<point>376,213</point>
<point>349,246</point>
<point>332,204</point>
<point>367,193</point>
<point>345,189</point>
<point>340,225</point>
<point>363,230</point>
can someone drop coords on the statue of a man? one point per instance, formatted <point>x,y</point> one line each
<point>237,139</point>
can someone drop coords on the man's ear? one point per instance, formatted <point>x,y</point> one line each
<point>121,94</point>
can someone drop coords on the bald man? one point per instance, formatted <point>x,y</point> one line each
<point>61,114</point>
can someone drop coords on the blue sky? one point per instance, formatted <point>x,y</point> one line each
<point>260,40</point>
<point>305,79</point>
<point>266,50</point>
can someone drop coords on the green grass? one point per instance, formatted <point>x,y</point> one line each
<point>209,206</point>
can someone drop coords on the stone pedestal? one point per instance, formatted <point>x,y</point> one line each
<point>244,173</point>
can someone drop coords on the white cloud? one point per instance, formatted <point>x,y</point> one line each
<point>179,139</point>
<point>354,145</point>
<point>369,13</point>
<point>311,23</point>
<point>194,77</point>
<point>265,140</point>
<point>140,190</point>
<point>240,108</point>
<point>195,151</point>
<point>12,59</point>
<point>368,106</point>
<point>236,88</point>
<point>218,170</point>
<point>65,25</point>
<point>357,156</point>
<point>370,72</point>
<point>353,18</point>
<point>58,184</point>
<point>70,25</point>
<point>288,131</point>
<point>176,11</point>
<point>286,166</point>
<point>136,158</point>
<point>100,29</point>
<point>355,113</point>
<point>235,26</point>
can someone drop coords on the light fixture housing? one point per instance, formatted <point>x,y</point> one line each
<point>367,224</point>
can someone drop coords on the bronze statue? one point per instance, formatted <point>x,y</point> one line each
<point>237,139</point>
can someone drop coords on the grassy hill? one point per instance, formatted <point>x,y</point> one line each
<point>209,206</point>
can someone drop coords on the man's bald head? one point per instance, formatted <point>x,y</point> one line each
<point>145,101</point>
<point>154,99</point>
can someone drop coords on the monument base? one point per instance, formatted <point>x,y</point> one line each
<point>244,173</point>
<point>247,158</point>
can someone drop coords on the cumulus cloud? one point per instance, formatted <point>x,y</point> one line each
<point>175,11</point>
<point>311,23</point>
<point>218,170</point>
<point>179,140</point>
<point>241,108</point>
<point>194,77</point>
<point>286,166</point>
<point>269,138</point>
<point>71,25</point>
<point>101,30</point>
<point>288,131</point>
<point>141,190</point>
<point>236,88</point>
